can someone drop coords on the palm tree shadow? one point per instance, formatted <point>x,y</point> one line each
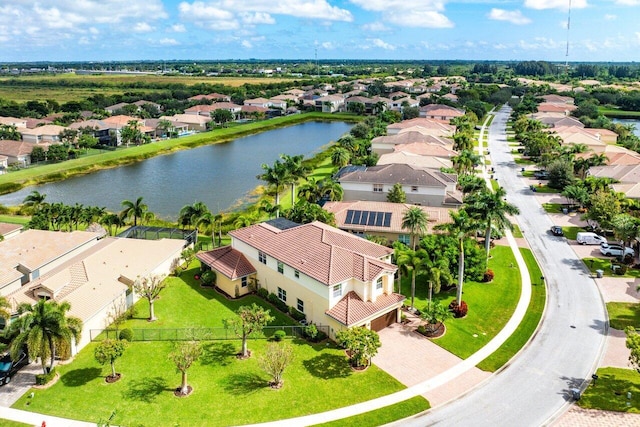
<point>245,383</point>
<point>218,353</point>
<point>79,377</point>
<point>146,389</point>
<point>328,366</point>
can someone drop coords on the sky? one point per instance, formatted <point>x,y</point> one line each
<point>112,30</point>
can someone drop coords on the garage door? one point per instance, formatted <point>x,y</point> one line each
<point>383,321</point>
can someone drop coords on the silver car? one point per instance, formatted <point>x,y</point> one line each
<point>612,249</point>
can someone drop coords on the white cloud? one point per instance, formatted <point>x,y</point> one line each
<point>168,42</point>
<point>178,28</point>
<point>142,27</point>
<point>375,27</point>
<point>246,44</point>
<point>500,46</point>
<point>327,45</point>
<point>382,44</point>
<point>208,16</point>
<point>257,18</point>
<point>409,13</point>
<point>555,4</point>
<point>627,2</point>
<point>515,16</point>
<point>608,17</point>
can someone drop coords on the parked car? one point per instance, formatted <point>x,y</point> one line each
<point>541,174</point>
<point>8,367</point>
<point>613,249</point>
<point>556,230</point>
<point>590,238</point>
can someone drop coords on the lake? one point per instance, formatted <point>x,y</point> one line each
<point>220,175</point>
<point>634,122</point>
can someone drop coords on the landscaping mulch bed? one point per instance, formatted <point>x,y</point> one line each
<point>178,391</point>
<point>110,379</point>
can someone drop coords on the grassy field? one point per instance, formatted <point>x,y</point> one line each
<point>623,314</point>
<point>610,391</point>
<point>384,415</point>
<point>614,112</point>
<point>227,391</point>
<point>15,219</point>
<point>571,232</point>
<point>604,264</point>
<point>529,323</point>
<point>490,305</point>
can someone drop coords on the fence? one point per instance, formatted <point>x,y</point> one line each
<point>211,334</point>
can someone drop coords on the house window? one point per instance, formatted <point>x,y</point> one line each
<point>337,290</point>
<point>377,188</point>
<point>414,188</point>
<point>282,295</point>
<point>379,283</point>
<point>296,273</point>
<point>280,267</point>
<point>262,257</point>
<point>244,282</point>
<point>300,305</point>
<point>404,238</point>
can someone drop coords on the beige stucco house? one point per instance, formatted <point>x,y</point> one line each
<point>336,279</point>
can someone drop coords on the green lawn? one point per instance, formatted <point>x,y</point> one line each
<point>8,423</point>
<point>517,233</point>
<point>490,305</point>
<point>546,189</point>
<point>604,264</point>
<point>15,219</point>
<point>529,323</point>
<point>610,391</point>
<point>521,161</point>
<point>571,233</point>
<point>227,391</point>
<point>552,207</point>
<point>384,415</point>
<point>623,314</point>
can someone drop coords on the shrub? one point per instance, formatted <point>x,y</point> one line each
<point>126,335</point>
<point>621,270</point>
<point>279,335</point>
<point>208,278</point>
<point>43,379</point>
<point>280,305</point>
<point>421,329</point>
<point>488,276</point>
<point>311,332</point>
<point>263,293</point>
<point>459,311</point>
<point>297,315</point>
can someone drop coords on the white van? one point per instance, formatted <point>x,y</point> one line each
<point>589,238</point>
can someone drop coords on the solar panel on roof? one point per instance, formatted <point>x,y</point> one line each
<point>372,218</point>
<point>356,217</point>
<point>379,218</point>
<point>368,218</point>
<point>363,218</point>
<point>387,219</point>
<point>349,218</point>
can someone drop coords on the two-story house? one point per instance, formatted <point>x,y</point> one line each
<point>335,278</point>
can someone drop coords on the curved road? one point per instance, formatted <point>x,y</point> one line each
<point>534,389</point>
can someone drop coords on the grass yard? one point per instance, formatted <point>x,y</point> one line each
<point>623,314</point>
<point>529,323</point>
<point>383,415</point>
<point>521,161</point>
<point>517,233</point>
<point>227,391</point>
<point>604,264</point>
<point>610,391</point>
<point>552,207</point>
<point>15,219</point>
<point>571,232</point>
<point>546,189</point>
<point>490,305</point>
<point>8,423</point>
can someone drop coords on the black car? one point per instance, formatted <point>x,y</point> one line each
<point>8,367</point>
<point>556,230</point>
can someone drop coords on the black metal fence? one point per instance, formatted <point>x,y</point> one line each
<point>211,334</point>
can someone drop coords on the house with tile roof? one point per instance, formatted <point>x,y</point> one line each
<point>8,230</point>
<point>43,134</point>
<point>440,112</point>
<point>439,128</point>
<point>389,143</point>
<point>360,217</point>
<point>18,151</point>
<point>329,103</point>
<point>13,121</point>
<point>414,160</point>
<point>422,187</point>
<point>335,278</point>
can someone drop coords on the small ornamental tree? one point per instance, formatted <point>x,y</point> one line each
<point>183,355</point>
<point>274,361</point>
<point>361,344</point>
<point>633,344</point>
<point>108,351</point>
<point>187,255</point>
<point>396,194</point>
<point>149,288</point>
<point>250,320</point>
<point>435,315</point>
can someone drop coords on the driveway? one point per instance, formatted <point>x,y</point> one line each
<point>20,383</point>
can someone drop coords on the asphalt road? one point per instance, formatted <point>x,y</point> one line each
<point>534,389</point>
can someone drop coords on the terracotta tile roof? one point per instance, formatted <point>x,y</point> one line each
<point>254,108</point>
<point>404,174</point>
<point>351,310</point>
<point>425,123</point>
<point>228,261</point>
<point>441,110</point>
<point>6,228</point>
<point>417,161</point>
<point>200,109</point>
<point>325,253</point>
<point>93,124</point>
<point>44,130</point>
<point>426,149</point>
<point>120,120</point>
<point>12,148</point>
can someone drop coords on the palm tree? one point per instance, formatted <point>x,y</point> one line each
<point>136,209</point>
<point>5,308</point>
<point>598,159</point>
<point>460,227</point>
<point>310,191</point>
<point>330,190</point>
<point>42,328</point>
<point>190,214</point>
<point>415,220</point>
<point>437,272</point>
<point>296,170</point>
<point>411,260</point>
<point>277,176</point>
<point>112,221</point>
<point>35,200</point>
<point>491,208</point>
<point>340,157</point>
<point>465,162</point>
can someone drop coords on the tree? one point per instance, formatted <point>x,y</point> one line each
<point>251,319</point>
<point>222,116</point>
<point>492,209</point>
<point>461,226</point>
<point>87,141</point>
<point>131,133</point>
<point>633,344</point>
<point>149,287</point>
<point>411,261</point>
<point>187,255</point>
<point>274,361</point>
<point>625,227</point>
<point>276,176</point>
<point>190,214</point>
<point>465,162</point>
<point>435,315</point>
<point>5,308</point>
<point>361,344</point>
<point>560,173</point>
<point>38,154</point>
<point>415,220</point>
<point>57,153</point>
<point>137,210</point>
<point>108,351</point>
<point>35,200</point>
<point>44,327</point>
<point>603,206</point>
<point>340,157</point>
<point>10,132</point>
<point>436,269</point>
<point>296,170</point>
<point>575,193</point>
<point>396,194</point>
<point>304,212</point>
<point>185,353</point>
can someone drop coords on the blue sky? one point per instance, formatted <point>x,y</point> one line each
<point>103,30</point>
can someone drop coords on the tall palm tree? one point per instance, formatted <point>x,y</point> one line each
<point>465,162</point>
<point>35,200</point>
<point>137,210</point>
<point>277,176</point>
<point>42,328</point>
<point>190,214</point>
<point>411,261</point>
<point>415,220</point>
<point>460,227</point>
<point>296,170</point>
<point>330,190</point>
<point>492,209</point>
<point>436,270</point>
<point>340,157</point>
<point>112,221</point>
